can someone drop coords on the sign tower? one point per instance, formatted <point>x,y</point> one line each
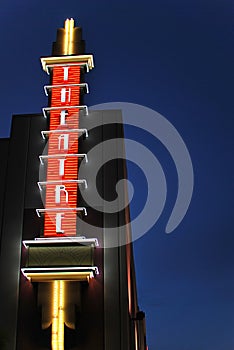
<point>66,261</point>
<point>49,259</point>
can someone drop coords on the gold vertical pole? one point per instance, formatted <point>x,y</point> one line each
<point>57,336</point>
<point>68,37</point>
<point>61,316</point>
<point>71,33</point>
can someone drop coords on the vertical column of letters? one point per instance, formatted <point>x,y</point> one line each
<point>62,168</point>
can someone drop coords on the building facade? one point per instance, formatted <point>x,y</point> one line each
<point>66,261</point>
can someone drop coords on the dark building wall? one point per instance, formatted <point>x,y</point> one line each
<point>4,143</point>
<point>12,222</point>
<point>103,310</point>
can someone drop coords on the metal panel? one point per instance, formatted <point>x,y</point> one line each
<point>60,256</point>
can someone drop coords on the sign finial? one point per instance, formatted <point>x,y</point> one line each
<point>69,40</point>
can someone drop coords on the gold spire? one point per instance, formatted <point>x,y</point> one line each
<point>69,40</point>
<point>68,48</point>
<point>69,36</point>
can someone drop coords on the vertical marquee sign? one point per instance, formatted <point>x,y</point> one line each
<point>54,259</point>
<point>62,159</point>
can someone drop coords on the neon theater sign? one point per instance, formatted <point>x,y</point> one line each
<point>56,260</point>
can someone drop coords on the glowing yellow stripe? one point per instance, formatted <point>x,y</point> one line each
<point>54,335</point>
<point>57,336</point>
<point>68,38</point>
<point>71,32</point>
<point>61,316</point>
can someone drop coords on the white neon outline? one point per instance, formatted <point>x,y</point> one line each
<point>79,131</point>
<point>44,241</point>
<point>60,182</point>
<point>61,269</point>
<point>82,64</point>
<point>49,87</point>
<point>55,156</point>
<point>47,109</point>
<point>44,210</point>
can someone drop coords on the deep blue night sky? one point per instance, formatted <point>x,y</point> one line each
<point>176,57</point>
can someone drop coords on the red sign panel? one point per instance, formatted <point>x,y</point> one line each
<point>62,153</point>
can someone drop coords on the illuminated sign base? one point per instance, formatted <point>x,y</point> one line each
<point>79,274</point>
